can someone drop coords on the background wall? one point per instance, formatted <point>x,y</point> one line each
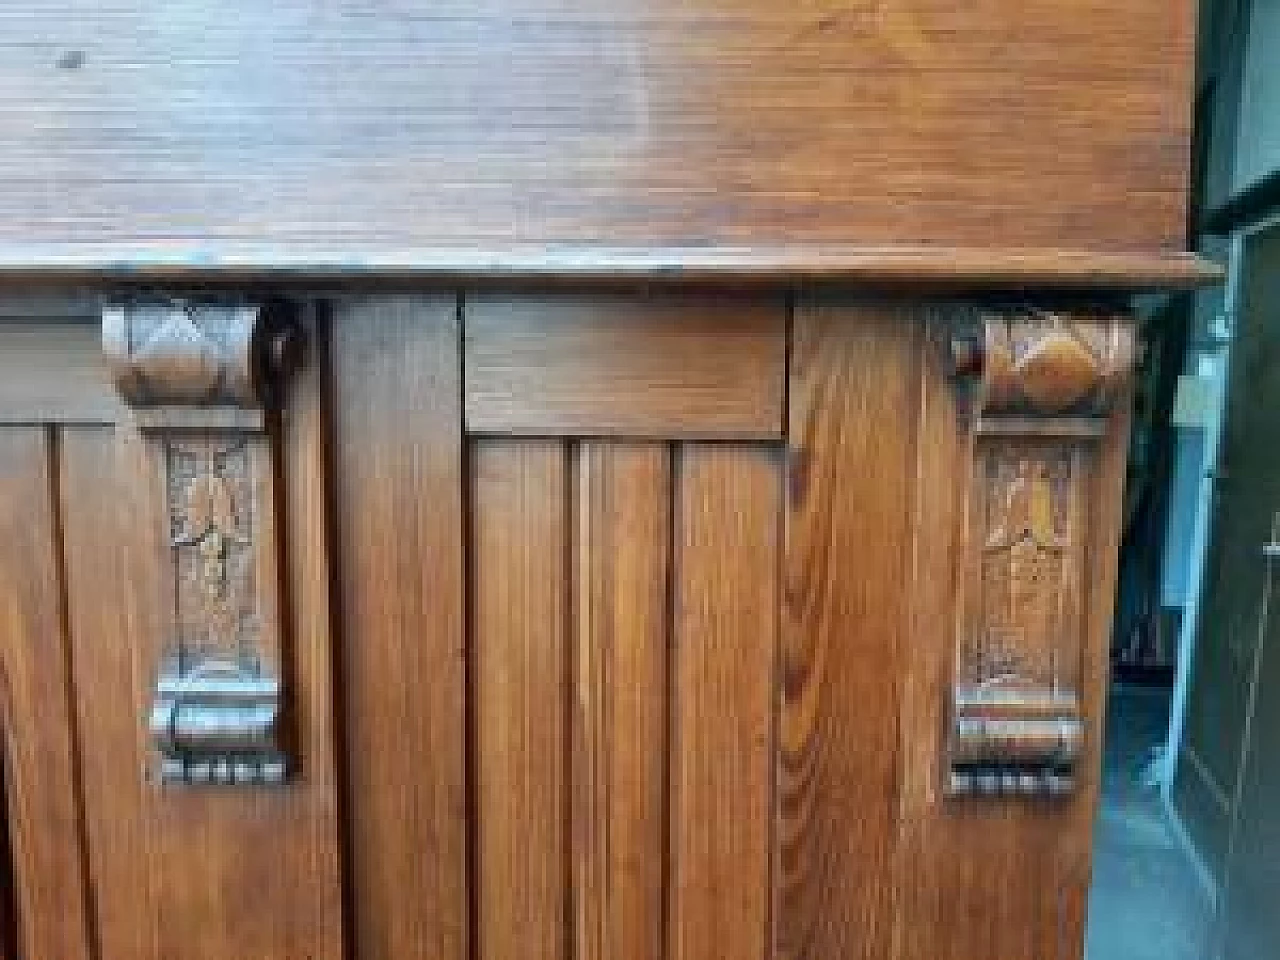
<point>1224,760</point>
<point>1257,153</point>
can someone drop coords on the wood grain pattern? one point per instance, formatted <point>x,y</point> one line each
<point>320,125</point>
<point>725,630</point>
<point>619,764</point>
<point>189,872</point>
<point>852,448</point>
<point>114,627</point>
<point>657,366</point>
<point>399,488</point>
<point>43,802</point>
<point>632,688</point>
<point>521,684</point>
<point>54,373</point>
<point>1005,878</point>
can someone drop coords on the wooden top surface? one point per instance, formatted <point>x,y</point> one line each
<point>441,134</point>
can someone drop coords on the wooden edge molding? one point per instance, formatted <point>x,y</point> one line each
<point>200,377</point>
<point>232,262</point>
<point>1037,386</point>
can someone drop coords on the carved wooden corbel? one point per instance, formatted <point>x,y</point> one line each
<point>1038,387</point>
<point>201,379</point>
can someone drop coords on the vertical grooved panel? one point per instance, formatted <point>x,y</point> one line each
<point>521,686</point>
<point>40,750</point>
<point>9,879</point>
<point>725,616</point>
<point>620,574</point>
<point>108,611</point>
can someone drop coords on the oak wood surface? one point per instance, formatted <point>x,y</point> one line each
<point>108,610</point>
<point>622,744</point>
<point>852,448</point>
<point>188,872</point>
<point>454,123</point>
<point>53,372</point>
<point>657,366</point>
<point>601,687</point>
<point>621,576</point>
<point>521,685</point>
<point>43,801</point>
<point>724,635</point>
<point>398,481</point>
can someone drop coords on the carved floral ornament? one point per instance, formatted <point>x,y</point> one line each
<point>1028,576</point>
<point>211,531</point>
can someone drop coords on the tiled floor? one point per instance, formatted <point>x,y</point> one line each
<point>1146,902</point>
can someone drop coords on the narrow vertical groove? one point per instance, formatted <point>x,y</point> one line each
<point>921,339</point>
<point>605,746</point>
<point>914,572</point>
<point>668,700</point>
<point>667,684</point>
<point>320,316</point>
<point>471,848</point>
<point>470,789</point>
<point>776,667</point>
<point>788,329</point>
<point>775,709</point>
<point>672,732</point>
<point>282,555</point>
<point>9,932</point>
<point>571,451</point>
<point>53,473</point>
<point>577,775</point>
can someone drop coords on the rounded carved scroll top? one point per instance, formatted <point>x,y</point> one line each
<point>1041,362</point>
<point>193,353</point>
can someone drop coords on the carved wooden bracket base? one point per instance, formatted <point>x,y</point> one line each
<point>1017,741</point>
<point>201,378</point>
<point>1039,386</point>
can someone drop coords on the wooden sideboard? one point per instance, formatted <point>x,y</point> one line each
<point>568,480</point>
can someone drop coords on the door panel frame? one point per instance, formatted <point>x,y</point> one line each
<point>1225,329</point>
